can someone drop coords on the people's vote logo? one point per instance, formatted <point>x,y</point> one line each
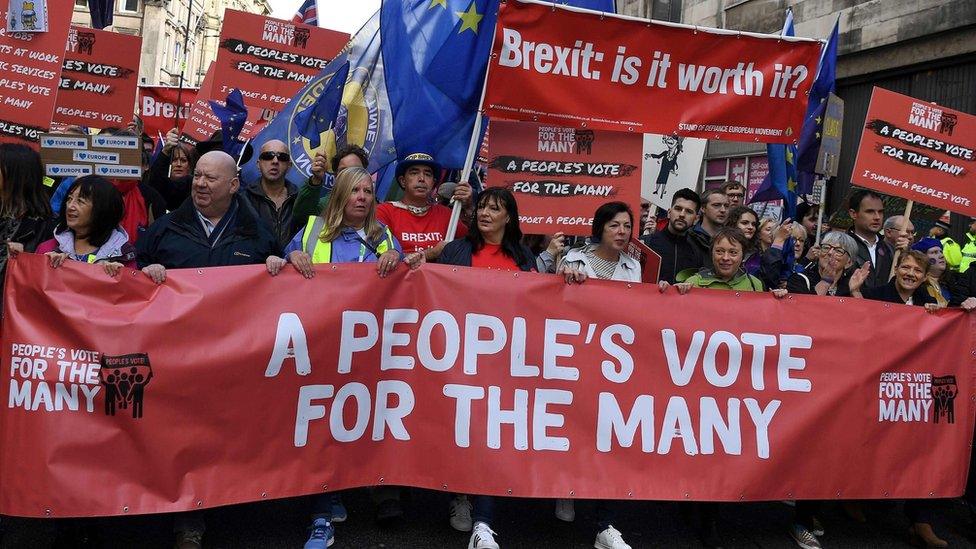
<point>944,391</point>
<point>125,378</point>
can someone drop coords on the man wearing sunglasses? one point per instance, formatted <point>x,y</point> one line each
<point>273,197</point>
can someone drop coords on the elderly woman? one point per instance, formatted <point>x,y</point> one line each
<point>88,228</point>
<point>494,238</point>
<point>347,232</point>
<point>829,275</point>
<point>605,257</point>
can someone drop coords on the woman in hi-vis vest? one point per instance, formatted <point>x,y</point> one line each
<point>346,232</point>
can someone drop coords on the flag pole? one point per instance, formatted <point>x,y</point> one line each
<point>472,145</point>
<point>186,55</point>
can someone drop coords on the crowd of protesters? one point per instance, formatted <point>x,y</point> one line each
<point>191,210</point>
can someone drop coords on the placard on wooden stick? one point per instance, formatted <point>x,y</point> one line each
<point>109,156</point>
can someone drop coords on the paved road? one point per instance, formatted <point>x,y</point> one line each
<point>520,523</point>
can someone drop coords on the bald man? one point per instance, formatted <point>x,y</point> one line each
<point>214,227</point>
<point>273,197</point>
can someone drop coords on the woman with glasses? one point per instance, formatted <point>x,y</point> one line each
<point>830,274</point>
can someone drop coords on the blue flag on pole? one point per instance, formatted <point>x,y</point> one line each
<point>320,117</point>
<point>810,135</point>
<point>434,54</point>
<point>232,115</point>
<point>780,182</point>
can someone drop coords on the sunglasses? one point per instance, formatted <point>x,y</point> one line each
<point>271,155</point>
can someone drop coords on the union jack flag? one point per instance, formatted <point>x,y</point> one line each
<point>307,14</point>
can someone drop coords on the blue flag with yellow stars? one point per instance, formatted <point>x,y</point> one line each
<point>232,115</point>
<point>780,182</point>
<point>435,53</point>
<point>812,131</point>
<point>320,117</point>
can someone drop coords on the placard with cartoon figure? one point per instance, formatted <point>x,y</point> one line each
<point>27,16</point>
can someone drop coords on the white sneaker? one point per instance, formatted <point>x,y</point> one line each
<point>566,510</point>
<point>610,539</point>
<point>482,537</point>
<point>461,514</point>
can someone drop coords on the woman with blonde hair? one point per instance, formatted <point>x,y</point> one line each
<point>346,232</point>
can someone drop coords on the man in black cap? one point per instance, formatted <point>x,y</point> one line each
<point>419,224</point>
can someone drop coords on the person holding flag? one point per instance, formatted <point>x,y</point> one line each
<point>420,225</point>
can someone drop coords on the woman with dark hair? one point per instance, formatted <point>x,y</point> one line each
<point>25,214</point>
<point>88,228</point>
<point>605,257</point>
<point>747,221</point>
<point>494,238</point>
<point>494,241</point>
<point>765,242</point>
<point>172,173</point>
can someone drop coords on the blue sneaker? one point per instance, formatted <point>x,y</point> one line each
<point>339,513</point>
<point>323,535</point>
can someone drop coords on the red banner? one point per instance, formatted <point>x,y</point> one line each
<point>270,59</point>
<point>30,69</point>
<point>99,80</point>
<point>560,66</point>
<point>918,150</point>
<point>560,176</point>
<point>157,107</point>
<point>227,385</point>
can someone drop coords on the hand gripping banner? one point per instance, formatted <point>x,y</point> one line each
<point>570,67</point>
<point>227,385</point>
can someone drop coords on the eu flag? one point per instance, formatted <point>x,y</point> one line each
<point>232,115</point>
<point>780,182</point>
<point>435,53</point>
<point>320,117</point>
<point>810,135</point>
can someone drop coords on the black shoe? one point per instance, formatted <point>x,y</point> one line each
<point>388,512</point>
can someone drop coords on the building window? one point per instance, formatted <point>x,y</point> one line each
<point>131,6</point>
<point>81,3</point>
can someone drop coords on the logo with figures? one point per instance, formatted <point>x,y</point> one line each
<point>944,391</point>
<point>125,378</point>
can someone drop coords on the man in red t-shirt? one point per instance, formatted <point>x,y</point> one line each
<point>417,223</point>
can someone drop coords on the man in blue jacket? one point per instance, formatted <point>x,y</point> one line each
<point>215,227</point>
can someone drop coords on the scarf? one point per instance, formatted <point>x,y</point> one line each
<point>135,216</point>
